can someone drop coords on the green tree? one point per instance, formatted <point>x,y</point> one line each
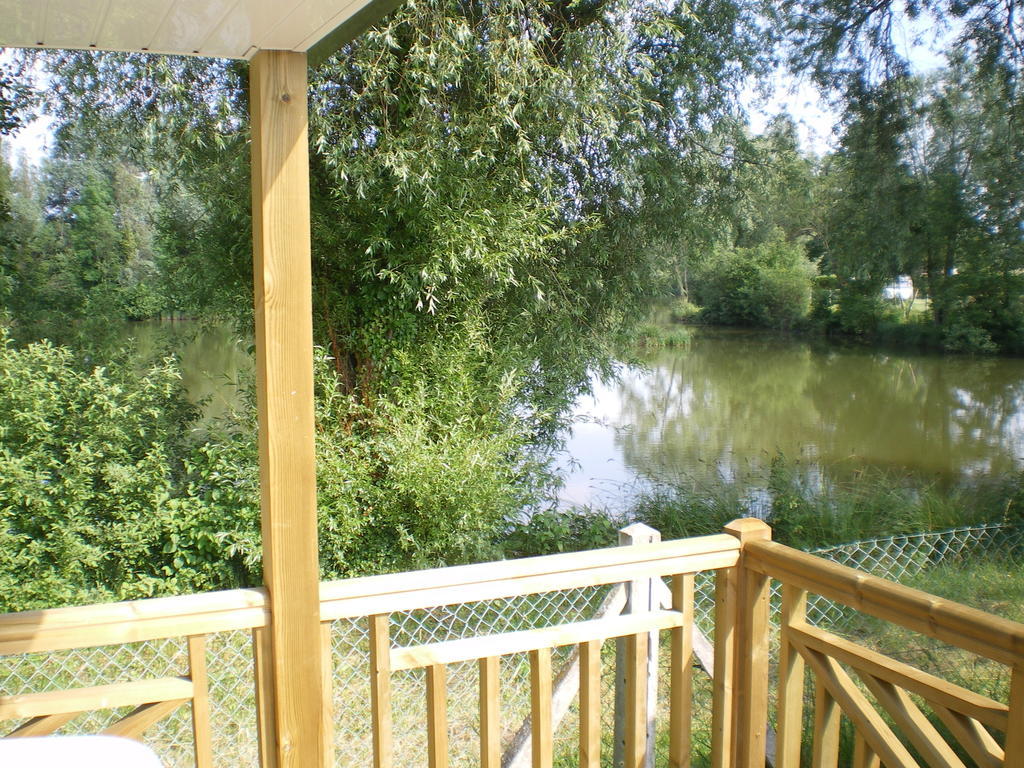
<point>487,183</point>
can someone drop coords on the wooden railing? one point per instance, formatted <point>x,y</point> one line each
<point>889,708</point>
<point>744,560</point>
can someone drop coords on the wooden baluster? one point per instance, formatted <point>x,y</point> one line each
<point>380,689</point>
<point>437,716</point>
<point>863,755</point>
<point>1015,734</point>
<point>200,701</point>
<point>790,707</point>
<point>263,672</point>
<point>681,697</point>
<point>327,675</point>
<point>490,713</point>
<point>826,728</point>
<point>590,704</point>
<point>636,702</point>
<point>540,707</point>
<point>723,684</point>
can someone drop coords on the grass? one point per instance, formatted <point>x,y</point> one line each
<point>654,336</point>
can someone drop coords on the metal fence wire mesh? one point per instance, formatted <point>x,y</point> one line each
<point>230,662</point>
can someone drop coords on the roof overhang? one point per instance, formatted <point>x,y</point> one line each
<point>230,29</point>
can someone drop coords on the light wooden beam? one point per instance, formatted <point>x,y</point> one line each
<point>284,365</point>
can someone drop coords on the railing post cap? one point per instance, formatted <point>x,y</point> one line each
<point>749,529</point>
<point>638,533</point>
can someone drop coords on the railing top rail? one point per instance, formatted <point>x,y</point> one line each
<point>132,621</point>
<point>973,630</point>
<point>138,620</point>
<point>510,578</point>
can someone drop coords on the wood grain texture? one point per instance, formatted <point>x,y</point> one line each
<point>913,724</point>
<point>132,621</point>
<point>835,684</point>
<point>263,675</point>
<point>752,630</point>
<point>380,690</point>
<point>510,578</point>
<point>790,691</point>
<point>284,375</point>
<point>1015,732</point>
<point>972,736</point>
<point>472,648</point>
<point>826,728</point>
<point>681,690</point>
<point>43,725</point>
<point>327,683</point>
<point>490,713</point>
<point>590,704</point>
<point>722,702</point>
<point>540,708</point>
<point>863,755</point>
<point>437,717</point>
<point>202,737</point>
<point>29,705</point>
<point>566,686</point>
<point>981,633</point>
<point>930,687</point>
<point>636,703</point>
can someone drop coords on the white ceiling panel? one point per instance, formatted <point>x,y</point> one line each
<point>190,23</point>
<point>222,28</point>
<point>248,23</point>
<point>68,20</point>
<point>23,23</point>
<point>131,26</point>
<point>311,18</point>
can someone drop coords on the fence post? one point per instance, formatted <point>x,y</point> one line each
<point>751,684</point>
<point>640,596</point>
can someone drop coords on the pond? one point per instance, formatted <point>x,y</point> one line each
<point>723,407</point>
<point>726,405</point>
<point>215,360</point>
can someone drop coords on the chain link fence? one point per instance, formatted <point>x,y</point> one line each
<point>229,657</point>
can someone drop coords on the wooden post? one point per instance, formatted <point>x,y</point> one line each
<point>284,369</point>
<point>751,693</point>
<point>640,599</point>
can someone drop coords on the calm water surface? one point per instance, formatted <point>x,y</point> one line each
<point>724,407</point>
<point>215,361</point>
<point>728,404</point>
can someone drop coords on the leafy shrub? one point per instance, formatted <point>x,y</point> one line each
<point>683,311</point>
<point>103,493</point>
<point>553,530</point>
<point>430,479</point>
<point>767,285</point>
<point>862,311</point>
